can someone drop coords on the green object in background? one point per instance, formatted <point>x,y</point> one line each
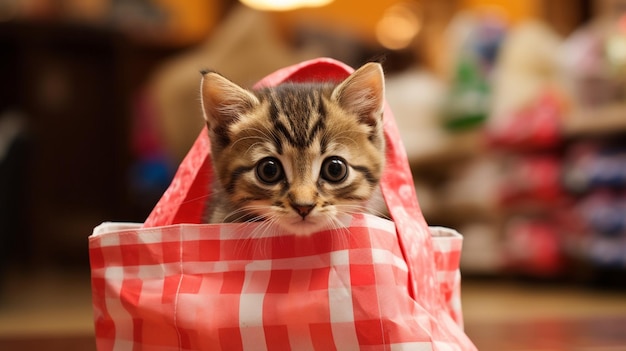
<point>468,102</point>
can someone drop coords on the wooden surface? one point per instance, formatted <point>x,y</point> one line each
<point>49,343</point>
<point>592,334</point>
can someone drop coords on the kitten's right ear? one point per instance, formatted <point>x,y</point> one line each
<point>363,93</point>
<point>223,101</point>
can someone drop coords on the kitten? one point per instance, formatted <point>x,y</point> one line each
<point>298,155</point>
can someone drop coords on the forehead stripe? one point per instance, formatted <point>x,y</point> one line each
<point>302,128</point>
<point>273,115</point>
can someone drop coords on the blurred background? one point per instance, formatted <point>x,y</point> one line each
<point>513,114</point>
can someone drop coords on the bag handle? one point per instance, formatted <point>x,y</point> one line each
<point>185,199</point>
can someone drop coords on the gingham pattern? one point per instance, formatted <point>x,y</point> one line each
<point>373,285</point>
<point>212,287</point>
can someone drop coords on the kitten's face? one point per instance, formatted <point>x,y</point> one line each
<point>297,155</point>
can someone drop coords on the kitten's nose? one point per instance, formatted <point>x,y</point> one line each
<point>303,209</point>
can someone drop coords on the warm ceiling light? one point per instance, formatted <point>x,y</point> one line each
<point>398,26</point>
<point>284,5</point>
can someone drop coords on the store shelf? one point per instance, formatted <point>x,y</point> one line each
<point>599,121</point>
<point>449,148</point>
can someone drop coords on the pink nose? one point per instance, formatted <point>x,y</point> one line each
<point>303,210</point>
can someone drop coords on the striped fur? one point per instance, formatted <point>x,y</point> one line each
<point>298,156</point>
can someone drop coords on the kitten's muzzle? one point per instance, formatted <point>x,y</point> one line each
<point>303,209</point>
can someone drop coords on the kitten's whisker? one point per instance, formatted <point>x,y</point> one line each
<point>359,209</point>
<point>244,211</point>
<point>356,144</point>
<point>261,232</point>
<point>252,146</point>
<point>343,232</point>
<point>248,239</point>
<point>340,136</point>
<point>262,137</point>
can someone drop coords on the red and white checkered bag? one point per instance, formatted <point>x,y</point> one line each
<point>175,284</point>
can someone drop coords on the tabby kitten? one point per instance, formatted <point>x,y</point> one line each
<point>298,155</point>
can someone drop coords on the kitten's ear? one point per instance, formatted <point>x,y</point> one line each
<point>223,101</point>
<point>363,93</point>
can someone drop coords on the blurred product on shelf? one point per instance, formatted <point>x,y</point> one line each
<point>535,126</point>
<point>527,67</point>
<point>475,39</point>
<point>594,233</point>
<point>594,62</point>
<point>153,167</point>
<point>533,247</point>
<point>593,164</point>
<point>534,180</point>
<point>595,173</point>
<point>604,213</point>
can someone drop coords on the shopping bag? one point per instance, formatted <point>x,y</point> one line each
<point>173,283</point>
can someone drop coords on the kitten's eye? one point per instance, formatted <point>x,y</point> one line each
<point>269,170</point>
<point>334,169</point>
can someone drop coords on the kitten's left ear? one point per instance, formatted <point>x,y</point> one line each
<point>223,101</point>
<point>363,93</point>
